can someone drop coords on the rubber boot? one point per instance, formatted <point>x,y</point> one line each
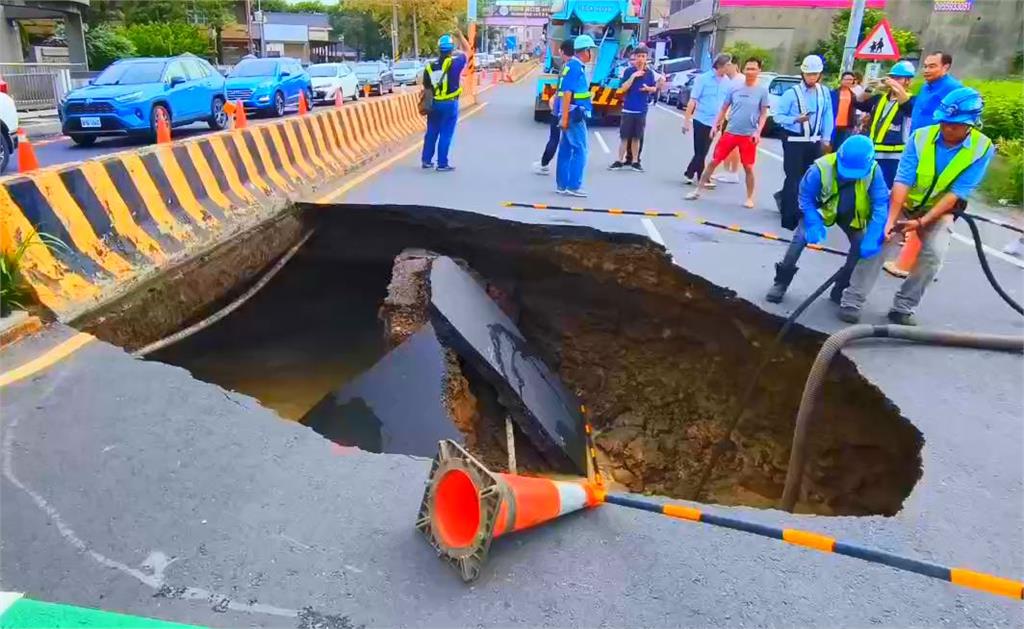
<point>783,276</point>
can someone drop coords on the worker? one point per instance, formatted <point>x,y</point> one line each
<point>706,97</point>
<point>575,109</point>
<point>443,76</point>
<point>941,167</point>
<point>890,110</point>
<point>847,189</point>
<point>805,116</point>
<point>937,83</point>
<point>567,50</point>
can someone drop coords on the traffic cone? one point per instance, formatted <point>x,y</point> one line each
<point>494,77</point>
<point>303,105</point>
<point>27,160</point>
<point>466,506</point>
<point>339,98</point>
<point>163,132</point>
<point>904,264</point>
<point>366,90</point>
<point>241,121</point>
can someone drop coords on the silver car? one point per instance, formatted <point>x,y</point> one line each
<point>407,72</point>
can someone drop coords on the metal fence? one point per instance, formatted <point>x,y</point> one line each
<point>35,86</point>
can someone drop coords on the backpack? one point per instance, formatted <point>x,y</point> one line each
<point>426,104</point>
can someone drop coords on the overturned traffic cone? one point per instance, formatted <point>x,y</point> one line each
<point>163,130</point>
<point>904,264</point>
<point>466,506</point>
<point>339,98</point>
<point>27,160</point>
<point>303,105</point>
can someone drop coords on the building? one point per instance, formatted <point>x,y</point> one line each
<point>292,35</point>
<point>67,12</point>
<point>982,36</point>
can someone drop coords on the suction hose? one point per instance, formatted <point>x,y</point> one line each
<point>969,218</point>
<point>831,347</point>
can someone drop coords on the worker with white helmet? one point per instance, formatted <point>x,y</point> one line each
<point>941,167</point>
<point>891,110</point>
<point>805,116</point>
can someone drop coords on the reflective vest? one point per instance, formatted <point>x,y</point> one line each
<point>929,184</point>
<point>441,89</point>
<point>578,97</point>
<point>881,125</point>
<point>828,197</point>
<point>811,132</point>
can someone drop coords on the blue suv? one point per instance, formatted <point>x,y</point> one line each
<point>269,85</point>
<point>132,94</point>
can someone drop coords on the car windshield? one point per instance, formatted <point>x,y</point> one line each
<point>778,86</point>
<point>326,70</point>
<point>405,65</point>
<point>367,68</point>
<point>255,67</point>
<point>134,73</point>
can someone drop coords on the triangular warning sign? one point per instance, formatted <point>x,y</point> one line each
<point>879,45</point>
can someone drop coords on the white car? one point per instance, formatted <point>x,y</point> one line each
<point>407,72</point>
<point>328,78</point>
<point>8,130</point>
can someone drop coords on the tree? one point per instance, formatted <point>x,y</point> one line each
<point>216,14</point>
<point>831,49</point>
<point>433,19</point>
<point>168,39</point>
<point>146,11</point>
<point>105,45</point>
<point>741,51</point>
<point>360,31</point>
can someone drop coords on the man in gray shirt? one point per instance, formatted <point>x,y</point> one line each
<point>749,111</point>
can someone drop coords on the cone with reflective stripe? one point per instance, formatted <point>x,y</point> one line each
<point>27,160</point>
<point>904,264</point>
<point>466,506</point>
<point>241,121</point>
<point>303,105</point>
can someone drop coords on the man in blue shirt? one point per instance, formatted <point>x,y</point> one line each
<point>575,109</point>
<point>937,83</point>
<point>443,76</point>
<point>638,83</point>
<point>806,118</point>
<point>706,98</point>
<point>555,132</point>
<point>941,167</point>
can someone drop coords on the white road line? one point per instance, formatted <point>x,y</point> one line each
<point>652,231</point>
<point>990,251</point>
<point>7,599</point>
<point>769,154</point>
<point>600,140</point>
<point>670,111</point>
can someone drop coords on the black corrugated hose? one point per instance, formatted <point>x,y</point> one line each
<point>984,262</point>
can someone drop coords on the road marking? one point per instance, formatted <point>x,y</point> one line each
<point>670,111</point>
<point>37,364</point>
<point>990,251</point>
<point>652,231</point>
<point>7,599</point>
<point>769,154</point>
<point>600,140</point>
<point>358,180</point>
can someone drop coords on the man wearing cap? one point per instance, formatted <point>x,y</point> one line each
<point>891,111</point>
<point>941,167</point>
<point>805,116</point>
<point>575,109</point>
<point>844,189</point>
<point>442,76</point>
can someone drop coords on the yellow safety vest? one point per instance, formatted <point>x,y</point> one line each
<point>828,198</point>
<point>929,184</point>
<point>881,122</point>
<point>441,91</point>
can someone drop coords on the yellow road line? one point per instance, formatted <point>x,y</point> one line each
<point>54,355</point>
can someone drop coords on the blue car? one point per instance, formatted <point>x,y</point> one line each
<point>132,94</point>
<point>269,85</point>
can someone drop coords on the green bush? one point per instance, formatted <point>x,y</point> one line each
<point>105,45</point>
<point>1004,107</point>
<point>741,51</point>
<point>164,39</point>
<point>14,290</point>
<point>1005,177</point>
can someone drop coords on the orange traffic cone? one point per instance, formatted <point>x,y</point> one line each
<point>303,105</point>
<point>339,98</point>
<point>241,121</point>
<point>494,77</point>
<point>27,160</point>
<point>466,506</point>
<point>366,90</point>
<point>163,131</point>
<point>904,264</point>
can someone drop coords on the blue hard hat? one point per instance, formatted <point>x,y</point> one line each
<point>446,43</point>
<point>856,157</point>
<point>583,42</point>
<point>903,70</point>
<point>963,105</point>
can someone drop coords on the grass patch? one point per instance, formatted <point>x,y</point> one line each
<point>1004,182</point>
<point>14,290</point>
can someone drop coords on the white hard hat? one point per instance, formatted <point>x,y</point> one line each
<point>812,65</point>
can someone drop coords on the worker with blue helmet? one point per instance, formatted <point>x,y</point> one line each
<point>845,188</point>
<point>891,110</point>
<point>575,108</point>
<point>442,77</point>
<point>942,166</point>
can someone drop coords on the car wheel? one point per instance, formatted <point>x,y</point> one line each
<point>159,112</point>
<point>83,140</point>
<point>218,117</point>
<point>391,90</point>
<point>278,109</point>
<point>309,99</point>
<point>355,96</point>
<point>5,152</point>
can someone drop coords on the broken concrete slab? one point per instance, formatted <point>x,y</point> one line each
<point>397,406</point>
<point>470,322</point>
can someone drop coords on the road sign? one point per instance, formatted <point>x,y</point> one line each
<point>873,71</point>
<point>879,45</point>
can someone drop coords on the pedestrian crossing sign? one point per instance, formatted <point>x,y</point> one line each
<point>879,45</point>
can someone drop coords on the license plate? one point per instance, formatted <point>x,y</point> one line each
<point>91,123</point>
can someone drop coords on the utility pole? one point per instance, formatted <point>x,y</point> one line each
<point>263,28</point>
<point>248,23</point>
<point>394,29</point>
<point>853,33</point>
<point>645,23</point>
<point>415,34</point>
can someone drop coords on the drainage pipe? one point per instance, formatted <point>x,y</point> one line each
<point>831,347</point>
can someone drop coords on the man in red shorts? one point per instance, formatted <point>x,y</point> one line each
<point>749,103</point>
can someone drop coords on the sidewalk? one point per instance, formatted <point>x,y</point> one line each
<point>40,124</point>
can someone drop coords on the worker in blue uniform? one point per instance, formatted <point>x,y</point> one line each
<point>443,77</point>
<point>575,110</point>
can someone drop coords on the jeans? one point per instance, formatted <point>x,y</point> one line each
<point>572,157</point>
<point>796,248</point>
<point>440,129</point>
<point>934,244</point>
<point>797,157</point>
<point>701,145</point>
<point>554,135</point>
<point>888,168</point>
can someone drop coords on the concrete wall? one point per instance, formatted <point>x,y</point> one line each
<point>785,32</point>
<point>10,42</point>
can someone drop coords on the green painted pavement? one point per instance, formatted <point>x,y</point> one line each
<point>29,614</point>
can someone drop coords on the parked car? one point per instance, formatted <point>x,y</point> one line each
<point>377,75</point>
<point>131,95</point>
<point>328,78</point>
<point>270,85</point>
<point>407,72</point>
<point>672,66</point>
<point>8,130</point>
<point>677,88</point>
<point>777,84</point>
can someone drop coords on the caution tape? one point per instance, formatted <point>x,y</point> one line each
<point>676,214</point>
<point>824,543</point>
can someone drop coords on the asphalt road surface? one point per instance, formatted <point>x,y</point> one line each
<point>131,486</point>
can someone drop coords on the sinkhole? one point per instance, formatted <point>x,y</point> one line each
<point>346,340</point>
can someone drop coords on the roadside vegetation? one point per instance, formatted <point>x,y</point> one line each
<point>741,51</point>
<point>15,292</point>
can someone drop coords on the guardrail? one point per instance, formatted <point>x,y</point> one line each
<point>36,86</point>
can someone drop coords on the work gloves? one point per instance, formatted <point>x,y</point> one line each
<point>814,228</point>
<point>873,238</point>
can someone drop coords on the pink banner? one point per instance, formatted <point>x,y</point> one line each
<point>799,4</point>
